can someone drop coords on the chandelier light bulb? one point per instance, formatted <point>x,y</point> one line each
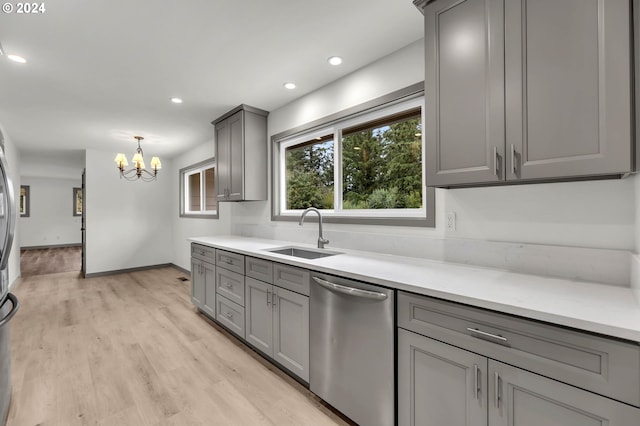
<point>138,171</point>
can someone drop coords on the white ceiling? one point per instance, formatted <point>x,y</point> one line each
<point>101,71</point>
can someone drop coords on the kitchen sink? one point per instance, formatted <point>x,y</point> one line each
<point>303,252</point>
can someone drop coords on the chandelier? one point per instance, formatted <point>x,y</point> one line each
<point>138,172</point>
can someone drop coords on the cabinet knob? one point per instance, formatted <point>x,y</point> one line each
<point>228,315</point>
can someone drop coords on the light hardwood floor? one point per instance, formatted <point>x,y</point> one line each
<point>50,260</point>
<point>130,349</point>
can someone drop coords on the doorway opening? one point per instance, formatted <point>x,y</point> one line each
<point>50,260</point>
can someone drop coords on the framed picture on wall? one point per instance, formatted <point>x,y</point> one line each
<point>77,201</point>
<point>24,201</point>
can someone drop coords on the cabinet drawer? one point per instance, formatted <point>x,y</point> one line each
<point>231,315</point>
<point>606,366</point>
<point>259,269</point>
<point>208,254</point>
<point>231,261</point>
<point>291,278</point>
<point>230,285</point>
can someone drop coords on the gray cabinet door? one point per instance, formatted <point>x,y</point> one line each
<point>520,398</point>
<point>209,274</point>
<point>439,384</point>
<point>464,91</point>
<point>197,283</point>
<point>236,161</point>
<point>291,332</point>
<point>259,315</point>
<point>223,159</point>
<point>568,88</point>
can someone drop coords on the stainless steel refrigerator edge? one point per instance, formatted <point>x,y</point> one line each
<point>351,342</point>
<point>8,302</point>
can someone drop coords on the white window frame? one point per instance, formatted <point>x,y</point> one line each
<point>184,175</point>
<point>413,217</point>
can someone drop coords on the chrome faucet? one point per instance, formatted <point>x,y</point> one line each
<point>321,240</point>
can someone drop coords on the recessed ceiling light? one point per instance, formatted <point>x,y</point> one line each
<point>16,58</point>
<point>335,60</point>
<point>289,86</point>
<point>176,100</point>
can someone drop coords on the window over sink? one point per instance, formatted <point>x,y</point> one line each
<point>367,166</point>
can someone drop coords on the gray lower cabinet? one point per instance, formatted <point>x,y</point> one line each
<point>203,286</point>
<point>230,314</point>
<point>460,365</point>
<point>277,324</point>
<point>518,397</point>
<point>440,384</point>
<point>259,315</point>
<point>526,91</point>
<point>197,283</point>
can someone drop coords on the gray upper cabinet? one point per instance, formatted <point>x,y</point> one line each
<point>527,91</point>
<point>568,88</point>
<point>464,92</point>
<point>241,153</point>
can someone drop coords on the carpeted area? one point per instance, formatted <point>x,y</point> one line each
<point>50,260</point>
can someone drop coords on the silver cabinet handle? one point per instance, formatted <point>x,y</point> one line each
<point>487,336</point>
<point>228,315</point>
<point>497,397</point>
<point>376,295</point>
<point>228,285</point>
<point>495,161</point>
<point>268,297</point>
<point>476,375</point>
<point>513,159</point>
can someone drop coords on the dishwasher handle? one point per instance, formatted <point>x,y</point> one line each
<point>357,292</point>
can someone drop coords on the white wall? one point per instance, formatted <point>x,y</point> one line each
<point>128,223</point>
<point>13,160</point>
<point>51,220</point>
<point>53,164</point>
<point>496,226</point>
<point>183,228</point>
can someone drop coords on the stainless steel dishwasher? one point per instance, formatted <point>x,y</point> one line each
<point>352,348</point>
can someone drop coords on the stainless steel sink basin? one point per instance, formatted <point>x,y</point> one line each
<point>303,252</point>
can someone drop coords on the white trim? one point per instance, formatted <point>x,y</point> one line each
<point>185,204</point>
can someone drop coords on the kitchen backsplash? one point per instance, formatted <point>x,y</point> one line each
<point>586,264</point>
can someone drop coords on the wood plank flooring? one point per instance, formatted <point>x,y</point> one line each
<point>50,260</point>
<point>130,349</point>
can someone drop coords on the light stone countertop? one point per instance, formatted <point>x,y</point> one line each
<point>599,308</point>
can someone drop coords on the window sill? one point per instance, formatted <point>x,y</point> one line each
<point>361,220</point>
<point>199,216</point>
